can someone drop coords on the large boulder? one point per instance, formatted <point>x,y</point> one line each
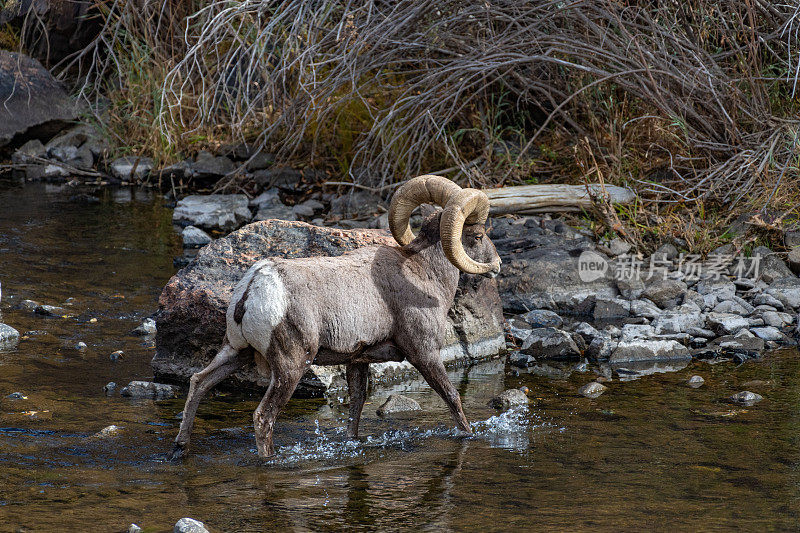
<point>191,317</point>
<point>35,105</point>
<point>541,266</point>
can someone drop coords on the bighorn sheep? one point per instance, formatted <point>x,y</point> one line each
<point>374,304</point>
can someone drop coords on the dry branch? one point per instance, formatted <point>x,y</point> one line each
<point>528,199</point>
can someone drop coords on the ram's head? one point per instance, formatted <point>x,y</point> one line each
<point>463,221</point>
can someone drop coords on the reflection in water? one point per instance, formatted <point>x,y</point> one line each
<point>646,448</point>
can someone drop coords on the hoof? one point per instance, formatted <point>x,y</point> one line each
<point>178,452</point>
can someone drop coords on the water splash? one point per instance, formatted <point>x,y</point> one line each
<point>510,430</point>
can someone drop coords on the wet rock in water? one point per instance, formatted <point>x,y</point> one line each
<point>146,328</point>
<point>80,345</point>
<point>592,390</point>
<point>133,528</point>
<point>542,318</point>
<point>397,403</point>
<point>634,350</point>
<point>741,347</point>
<point>189,525</point>
<point>224,212</point>
<point>726,323</point>
<point>131,168</point>
<point>9,337</point>
<point>35,105</point>
<point>509,398</point>
<point>550,343</point>
<point>746,398</point>
<point>17,396</point>
<point>149,389</point>
<point>786,291</point>
<point>107,432</point>
<point>695,382</point>
<point>518,329</point>
<point>109,387</point>
<point>116,356</point>
<point>520,360</point>
<point>49,310</point>
<point>665,293</point>
<point>191,316</point>
<point>194,237</point>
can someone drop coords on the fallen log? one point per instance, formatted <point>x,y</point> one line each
<point>529,199</point>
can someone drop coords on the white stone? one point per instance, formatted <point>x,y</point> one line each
<point>225,212</point>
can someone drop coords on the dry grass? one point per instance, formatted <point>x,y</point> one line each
<point>693,103</point>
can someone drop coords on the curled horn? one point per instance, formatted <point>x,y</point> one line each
<point>461,206</point>
<point>425,189</point>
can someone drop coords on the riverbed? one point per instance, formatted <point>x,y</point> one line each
<point>650,453</point>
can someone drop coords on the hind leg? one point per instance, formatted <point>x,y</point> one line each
<point>285,375</point>
<point>357,375</point>
<point>225,363</point>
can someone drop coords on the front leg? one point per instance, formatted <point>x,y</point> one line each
<point>432,369</point>
<point>357,376</point>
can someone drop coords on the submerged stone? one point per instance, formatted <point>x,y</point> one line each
<point>189,525</point>
<point>9,337</point>
<point>509,398</point>
<point>149,389</point>
<point>592,390</point>
<point>746,398</point>
<point>695,382</point>
<point>397,403</point>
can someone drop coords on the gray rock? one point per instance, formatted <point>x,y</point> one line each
<point>148,389</point>
<point>260,161</point>
<point>743,346</point>
<point>666,252</point>
<point>269,206</point>
<point>649,350</point>
<point>731,307</point>
<point>509,398</point>
<point>189,525</point>
<point>520,360</point>
<point>50,310</point>
<point>146,328</point>
<point>80,345</point>
<point>644,308</point>
<point>631,287</point>
<point>722,288</point>
<point>191,315</point>
<point>605,309</point>
<point>194,237</point>
<point>397,403</point>
<point>208,166</point>
<point>695,382</point>
<point>35,105</point>
<point>769,333</point>
<point>274,177</point>
<point>669,322</point>
<point>541,269</point>
<point>355,204</point>
<point>542,318</point>
<point>108,432</point>
<point>308,209</point>
<point>116,356</point>
<point>792,239</point>
<point>768,299</point>
<point>109,388</point>
<point>725,323</point>
<point>592,390</point>
<point>776,319</point>
<point>9,337</point>
<point>786,291</point>
<point>701,332</point>
<point>518,329</point>
<point>131,168</point>
<point>29,152</point>
<point>133,528</point>
<point>587,331</point>
<point>619,246</point>
<point>17,396</point>
<point>746,398</point>
<point>793,258</point>
<point>601,348</point>
<point>665,293</point>
<point>224,212</point>
<point>771,267</point>
<point>550,343</point>
<point>637,331</point>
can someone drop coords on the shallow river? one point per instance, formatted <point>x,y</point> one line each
<point>650,453</point>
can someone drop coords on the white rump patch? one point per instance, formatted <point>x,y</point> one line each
<point>264,309</point>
